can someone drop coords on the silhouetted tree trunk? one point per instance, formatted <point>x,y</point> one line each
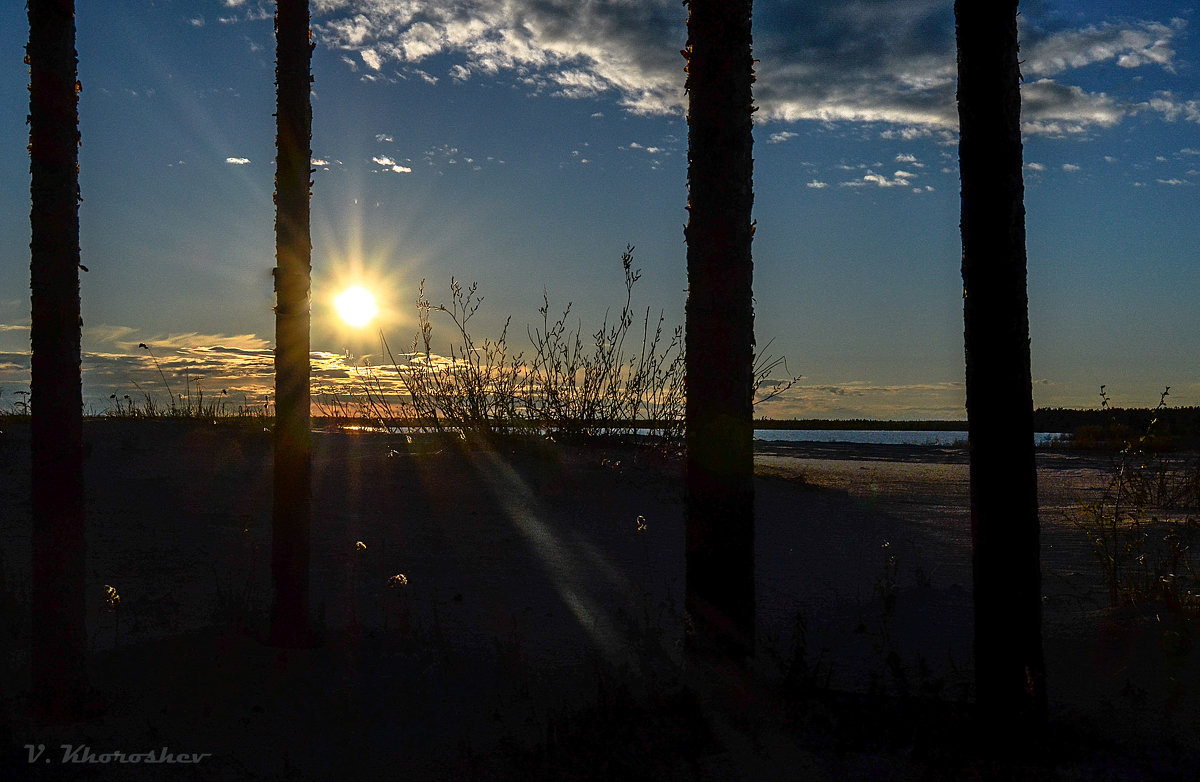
<point>59,641</point>
<point>293,252</point>
<point>1009,667</point>
<point>720,328</point>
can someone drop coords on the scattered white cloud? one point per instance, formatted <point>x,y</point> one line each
<point>781,136</point>
<point>237,161</point>
<point>1035,166</point>
<point>1173,182</point>
<point>1070,168</point>
<point>898,179</point>
<point>906,158</point>
<point>390,164</point>
<point>319,162</point>
<point>196,21</point>
<point>817,185</point>
<point>648,150</point>
<point>383,138</point>
<point>371,58</point>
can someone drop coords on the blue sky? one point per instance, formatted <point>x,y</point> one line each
<point>523,144</point>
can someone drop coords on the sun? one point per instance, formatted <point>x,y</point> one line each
<point>356,305</point>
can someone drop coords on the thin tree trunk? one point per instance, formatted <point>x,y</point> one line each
<point>293,445</point>
<point>1009,667</point>
<point>59,641</point>
<point>720,329</point>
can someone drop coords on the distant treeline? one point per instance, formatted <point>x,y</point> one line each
<point>861,424</point>
<point>1175,426</point>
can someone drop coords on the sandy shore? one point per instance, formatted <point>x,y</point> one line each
<point>530,589</point>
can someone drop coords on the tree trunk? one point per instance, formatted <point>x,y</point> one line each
<point>59,641</point>
<point>1009,667</point>
<point>293,445</point>
<point>720,329</point>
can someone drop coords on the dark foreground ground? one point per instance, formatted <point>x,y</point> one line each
<point>538,634</point>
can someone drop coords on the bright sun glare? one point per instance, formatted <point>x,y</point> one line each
<point>356,305</point>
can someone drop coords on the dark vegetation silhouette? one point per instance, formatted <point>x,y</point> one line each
<point>293,442</point>
<point>1009,667</point>
<point>719,431</point>
<point>59,636</point>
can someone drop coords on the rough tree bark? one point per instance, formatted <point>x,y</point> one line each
<point>59,641</point>
<point>720,328</point>
<point>1009,666</point>
<point>293,444</point>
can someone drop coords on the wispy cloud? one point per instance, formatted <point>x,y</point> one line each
<point>862,399</point>
<point>237,161</point>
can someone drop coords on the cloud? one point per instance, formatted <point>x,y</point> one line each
<point>817,185</point>
<point>863,399</point>
<point>371,58</point>
<point>1171,108</point>
<point>424,76</point>
<point>1035,166</point>
<point>1070,168</point>
<point>1172,182</point>
<point>782,136</point>
<point>649,150</point>
<point>237,161</point>
<point>898,179</point>
<point>390,164</point>
<point>1052,109</point>
<point>828,61</point>
<point>1129,45</point>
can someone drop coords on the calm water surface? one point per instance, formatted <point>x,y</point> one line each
<point>873,436</point>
